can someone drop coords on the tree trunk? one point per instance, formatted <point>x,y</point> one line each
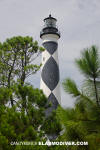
<point>96,92</point>
<point>24,64</point>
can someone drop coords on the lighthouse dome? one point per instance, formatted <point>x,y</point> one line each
<point>50,26</point>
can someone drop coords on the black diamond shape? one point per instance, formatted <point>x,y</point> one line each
<point>54,104</point>
<point>50,46</point>
<point>50,73</point>
<point>53,100</point>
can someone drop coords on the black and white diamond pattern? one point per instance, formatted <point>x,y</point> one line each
<point>50,46</point>
<point>50,75</point>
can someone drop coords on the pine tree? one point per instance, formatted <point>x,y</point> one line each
<point>82,123</point>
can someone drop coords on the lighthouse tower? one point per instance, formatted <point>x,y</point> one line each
<point>50,66</point>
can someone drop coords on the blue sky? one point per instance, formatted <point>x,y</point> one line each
<point>78,21</point>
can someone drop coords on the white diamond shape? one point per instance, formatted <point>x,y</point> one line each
<point>56,92</point>
<point>45,57</point>
<point>45,89</point>
<point>55,56</point>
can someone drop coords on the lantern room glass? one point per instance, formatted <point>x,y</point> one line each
<point>50,22</point>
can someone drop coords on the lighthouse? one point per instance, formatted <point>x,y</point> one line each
<point>50,66</point>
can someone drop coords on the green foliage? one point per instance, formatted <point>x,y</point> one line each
<point>21,122</point>
<point>22,107</point>
<point>70,87</point>
<point>16,59</point>
<point>52,125</point>
<point>28,95</point>
<point>4,95</point>
<point>82,123</point>
<point>89,63</point>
